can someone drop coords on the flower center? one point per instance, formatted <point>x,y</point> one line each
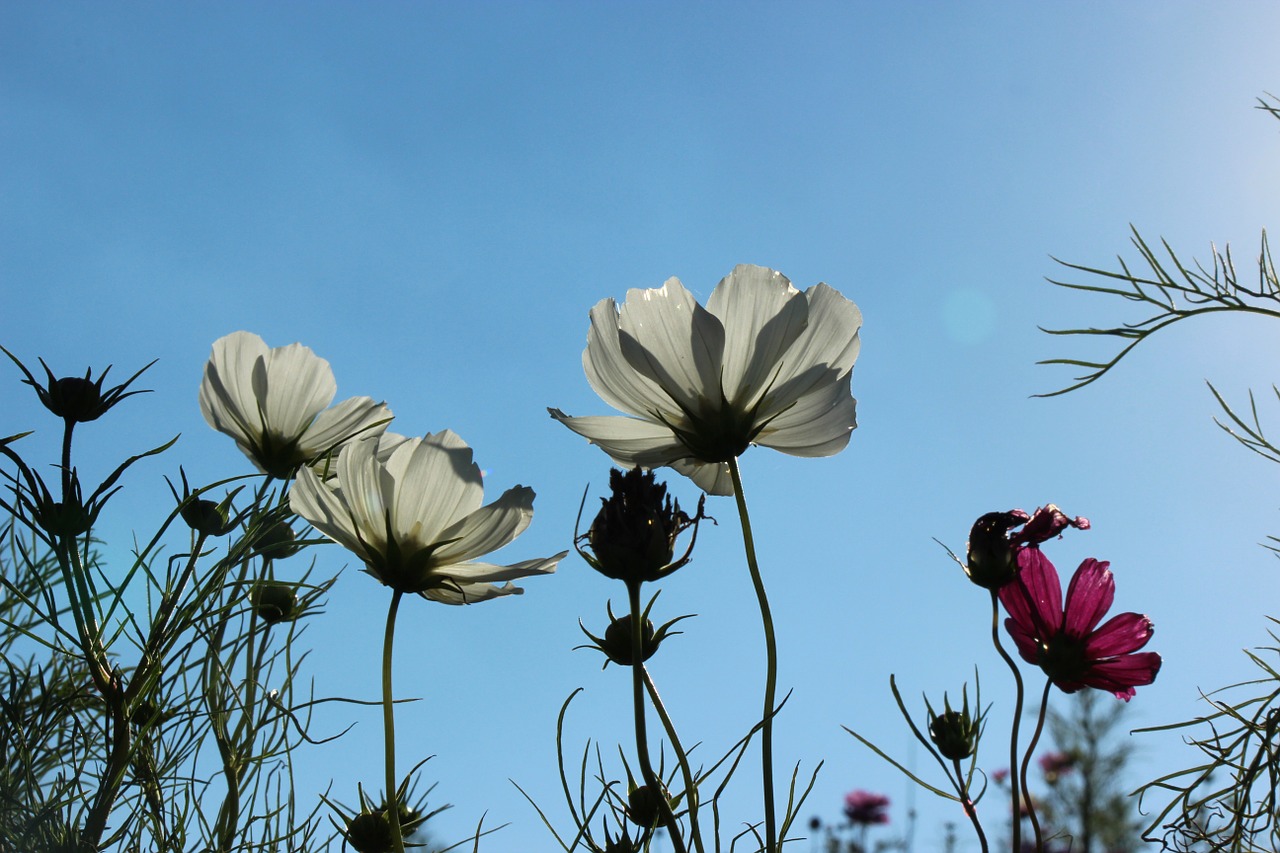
<point>1063,659</point>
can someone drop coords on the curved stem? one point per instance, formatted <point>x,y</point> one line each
<point>642,741</point>
<point>389,726</point>
<point>1026,760</point>
<point>963,789</point>
<point>771,662</point>
<point>690,786</point>
<point>1018,786</point>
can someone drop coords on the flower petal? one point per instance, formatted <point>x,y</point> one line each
<point>226,393</point>
<point>292,385</point>
<point>668,337</point>
<point>356,418</point>
<point>712,477</point>
<point>830,340</point>
<point>470,593</point>
<point>1121,675</point>
<point>1026,643</point>
<point>628,441</point>
<point>487,529</point>
<point>1089,597</point>
<point>762,316</point>
<point>436,484</point>
<point>324,510</point>
<point>612,376</point>
<point>1034,598</point>
<point>475,572</point>
<point>1121,635</point>
<point>818,424</point>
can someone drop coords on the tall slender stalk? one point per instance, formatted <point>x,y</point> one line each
<point>1019,784</point>
<point>389,726</point>
<point>642,742</point>
<point>771,663</point>
<point>1026,760</point>
<point>682,757</point>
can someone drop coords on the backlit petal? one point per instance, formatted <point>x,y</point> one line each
<point>1121,675</point>
<point>1089,597</point>
<point>357,417</point>
<point>818,424</point>
<point>292,385</point>
<point>437,483</point>
<point>612,376</point>
<point>762,315</point>
<point>712,477</point>
<point>487,529</point>
<point>1119,635</point>
<point>628,441</point>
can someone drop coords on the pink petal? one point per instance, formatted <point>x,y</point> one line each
<point>1121,675</point>
<point>1121,635</point>
<point>1026,643</point>
<point>1089,597</point>
<point>1034,599</point>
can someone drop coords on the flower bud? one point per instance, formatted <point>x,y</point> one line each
<point>76,399</point>
<point>954,734</point>
<point>644,806</point>
<point>369,832</point>
<point>633,537</point>
<point>992,559</point>
<point>617,641</point>
<point>277,541</point>
<point>275,601</point>
<point>207,517</point>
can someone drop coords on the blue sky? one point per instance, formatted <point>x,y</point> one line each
<point>433,195</point>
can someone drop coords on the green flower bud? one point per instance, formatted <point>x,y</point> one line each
<point>76,399</point>
<point>276,542</point>
<point>955,733</point>
<point>644,806</point>
<point>369,832</point>
<point>207,517</point>
<point>275,601</point>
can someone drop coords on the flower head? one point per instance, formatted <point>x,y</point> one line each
<point>955,733</point>
<point>415,518</point>
<point>77,399</point>
<point>864,808</point>
<point>275,404</point>
<point>763,363</point>
<point>633,537</point>
<point>1066,641</point>
<point>994,543</point>
<point>1054,765</point>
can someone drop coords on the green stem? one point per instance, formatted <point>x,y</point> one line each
<point>1026,760</point>
<point>969,808</point>
<point>642,742</point>
<point>1018,785</point>
<point>771,663</point>
<point>690,786</point>
<point>389,726</point>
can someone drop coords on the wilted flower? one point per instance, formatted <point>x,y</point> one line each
<point>994,544</point>
<point>864,808</point>
<point>1066,642</point>
<point>633,537</point>
<point>274,403</point>
<point>77,399</point>
<point>763,363</point>
<point>416,518</point>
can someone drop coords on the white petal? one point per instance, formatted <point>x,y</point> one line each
<point>471,593</point>
<point>292,385</point>
<point>818,424</point>
<point>628,441</point>
<point>712,477</point>
<point>488,528</point>
<point>466,573</point>
<point>612,376</point>
<point>762,316</point>
<point>226,394</point>
<point>831,338</point>
<point>358,417</point>
<point>667,336</point>
<point>324,510</point>
<point>436,484</point>
<point>368,493</point>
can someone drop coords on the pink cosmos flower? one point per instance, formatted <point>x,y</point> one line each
<point>864,808</point>
<point>1066,641</point>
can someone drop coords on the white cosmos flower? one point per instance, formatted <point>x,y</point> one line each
<point>763,363</point>
<point>414,516</point>
<point>275,403</point>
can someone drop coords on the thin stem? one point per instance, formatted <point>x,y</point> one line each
<point>1019,784</point>
<point>771,662</point>
<point>389,726</point>
<point>963,789</point>
<point>682,757</point>
<point>642,742</point>
<point>1026,759</point>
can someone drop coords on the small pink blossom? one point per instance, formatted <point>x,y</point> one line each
<point>863,808</point>
<point>1066,641</point>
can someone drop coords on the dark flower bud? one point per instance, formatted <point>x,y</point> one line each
<point>955,733</point>
<point>633,537</point>
<point>207,517</point>
<point>68,518</point>
<point>617,641</point>
<point>275,601</point>
<point>644,806</point>
<point>369,832</point>
<point>992,559</point>
<point>277,541</point>
<point>411,818</point>
<point>76,399</point>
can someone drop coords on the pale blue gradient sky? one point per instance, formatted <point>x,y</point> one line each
<point>433,195</point>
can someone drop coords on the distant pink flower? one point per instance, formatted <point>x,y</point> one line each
<point>864,808</point>
<point>1056,764</point>
<point>1066,642</point>
<point>998,776</point>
